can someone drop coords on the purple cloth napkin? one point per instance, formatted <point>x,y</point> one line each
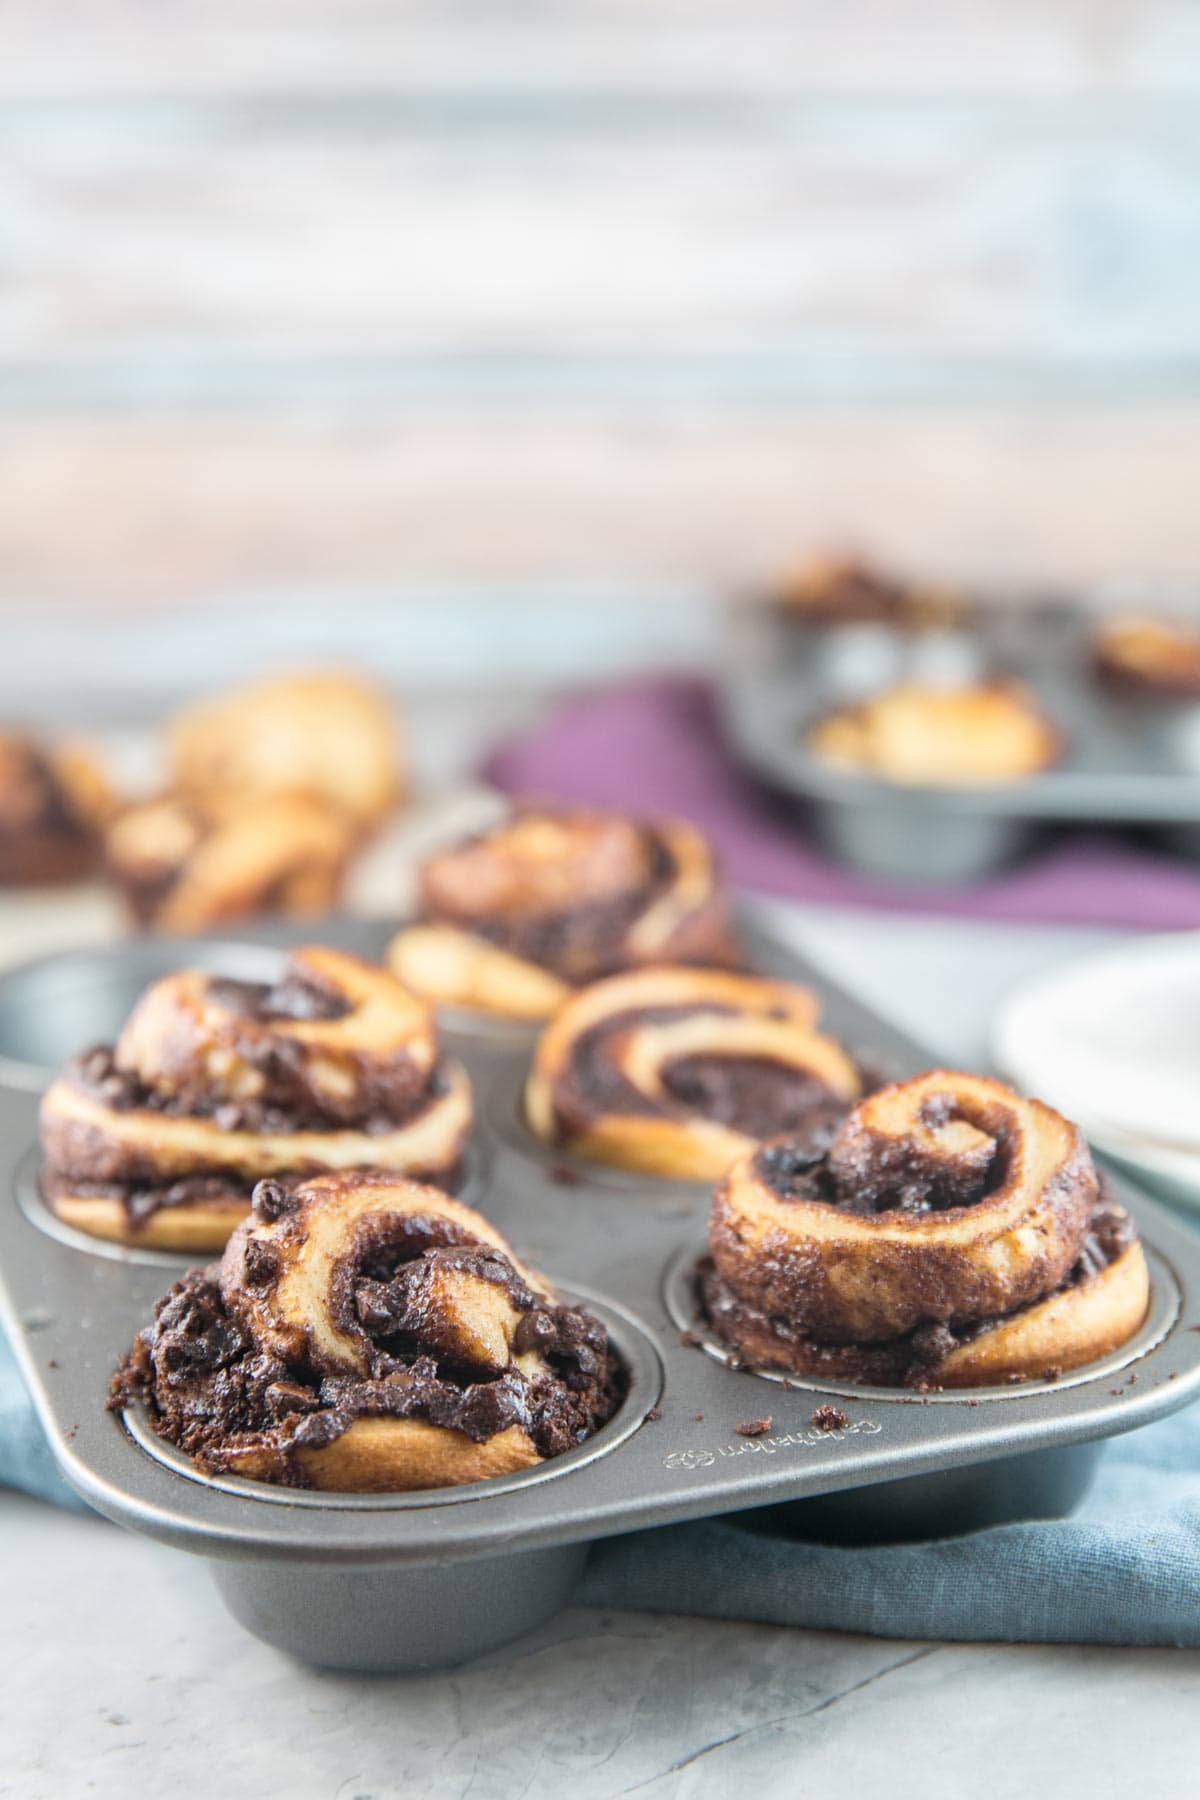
<point>655,746</point>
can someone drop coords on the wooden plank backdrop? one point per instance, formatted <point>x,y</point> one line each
<point>356,295</point>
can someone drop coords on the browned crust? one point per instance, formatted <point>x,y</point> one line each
<point>860,1278</point>
<point>1068,1329</point>
<point>690,921</point>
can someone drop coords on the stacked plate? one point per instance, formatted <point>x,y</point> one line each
<point>1114,1042</point>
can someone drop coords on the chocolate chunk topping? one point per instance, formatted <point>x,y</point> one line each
<point>271,1200</point>
<point>261,1264</point>
<point>212,1390</point>
<point>296,997</point>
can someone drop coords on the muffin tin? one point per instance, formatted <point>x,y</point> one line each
<point>415,1581</point>
<point>1129,760</point>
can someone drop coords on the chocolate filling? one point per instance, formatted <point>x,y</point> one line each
<point>141,1202</point>
<point>292,997</point>
<point>897,1362</point>
<point>142,1199</point>
<point>408,1091</point>
<point>753,1094</point>
<point>210,1387</point>
<point>876,1176</point>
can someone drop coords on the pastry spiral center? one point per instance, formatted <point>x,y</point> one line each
<point>935,1159</point>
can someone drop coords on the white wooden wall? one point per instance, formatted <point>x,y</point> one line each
<point>346,295</point>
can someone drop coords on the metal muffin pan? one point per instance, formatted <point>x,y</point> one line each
<point>420,1580</point>
<point>1128,761</point>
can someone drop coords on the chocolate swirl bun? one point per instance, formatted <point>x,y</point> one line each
<point>182,871</point>
<point>213,1084</point>
<point>53,804</point>
<point>362,1334</point>
<point>680,1071</point>
<point>513,920</point>
<point>923,736</point>
<point>951,1234</point>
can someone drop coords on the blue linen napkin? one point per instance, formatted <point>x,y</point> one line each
<point>1125,1569</point>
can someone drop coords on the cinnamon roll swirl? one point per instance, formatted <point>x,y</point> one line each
<point>181,871</point>
<point>158,1139</point>
<point>364,1333</point>
<point>514,919</point>
<point>679,1071</point>
<point>952,1234</point>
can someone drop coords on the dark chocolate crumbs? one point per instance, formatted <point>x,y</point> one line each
<point>271,1201</point>
<point>754,1427</point>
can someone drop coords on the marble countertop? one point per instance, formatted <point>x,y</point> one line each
<point>125,1677</point>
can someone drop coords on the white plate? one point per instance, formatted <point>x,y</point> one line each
<point>1114,1042</point>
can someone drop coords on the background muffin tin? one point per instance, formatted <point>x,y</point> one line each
<point>1127,759</point>
<point>416,1580</point>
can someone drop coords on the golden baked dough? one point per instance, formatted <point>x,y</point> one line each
<point>325,735</point>
<point>180,871</point>
<point>939,737</point>
<point>513,920</point>
<point>1152,655</point>
<point>213,1085</point>
<point>952,1233</point>
<point>673,1071</point>
<point>364,1333</point>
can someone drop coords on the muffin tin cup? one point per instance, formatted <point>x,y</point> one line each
<point>412,1581</point>
<point>1131,760</point>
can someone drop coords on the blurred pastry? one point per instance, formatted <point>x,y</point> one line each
<point>323,736</point>
<point>1149,656</point>
<point>53,805</point>
<point>678,1071</point>
<point>364,1334</point>
<point>158,1139</point>
<point>952,1234</point>
<point>841,590</point>
<point>939,737</point>
<point>514,919</point>
<point>179,870</point>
